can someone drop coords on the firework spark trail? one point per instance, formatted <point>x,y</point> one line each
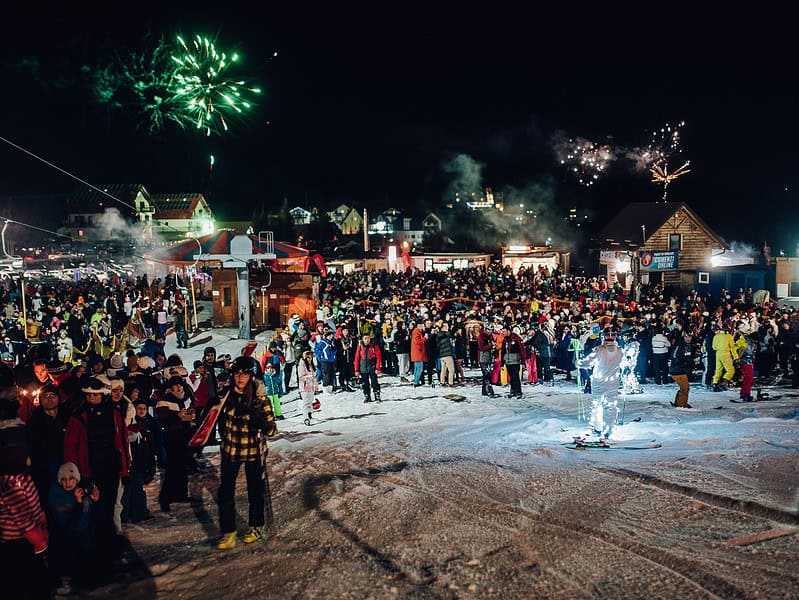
<point>660,174</point>
<point>664,143</point>
<point>588,160</point>
<point>664,146</point>
<point>584,158</point>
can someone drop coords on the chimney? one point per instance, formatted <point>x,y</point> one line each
<point>365,231</point>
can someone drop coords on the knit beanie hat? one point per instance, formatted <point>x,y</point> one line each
<point>68,470</point>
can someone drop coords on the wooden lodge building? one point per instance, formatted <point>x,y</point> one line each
<point>274,297</point>
<point>657,242</point>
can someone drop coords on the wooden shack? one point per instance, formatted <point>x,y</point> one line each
<point>657,242</point>
<point>274,297</point>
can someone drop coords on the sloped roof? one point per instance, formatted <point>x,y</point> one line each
<point>637,219</point>
<point>176,206</point>
<point>341,209</point>
<point>88,200</point>
<point>352,212</point>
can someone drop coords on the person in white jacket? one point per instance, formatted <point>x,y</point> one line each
<point>660,356</point>
<point>605,361</point>
<point>309,386</point>
<point>64,347</point>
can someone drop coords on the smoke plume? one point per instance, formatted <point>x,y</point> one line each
<point>466,177</point>
<point>530,212</point>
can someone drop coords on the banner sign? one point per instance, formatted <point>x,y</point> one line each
<point>658,261</point>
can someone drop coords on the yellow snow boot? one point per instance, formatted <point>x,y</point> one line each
<point>227,541</point>
<point>253,535</point>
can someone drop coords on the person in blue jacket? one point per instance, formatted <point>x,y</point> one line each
<point>326,358</point>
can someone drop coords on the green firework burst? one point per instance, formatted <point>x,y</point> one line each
<point>187,85</point>
<point>203,88</point>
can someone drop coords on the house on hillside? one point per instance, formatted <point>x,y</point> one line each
<point>409,232</point>
<point>178,216</point>
<point>432,223</point>
<point>657,242</point>
<point>300,216</point>
<point>88,221</point>
<point>347,219</point>
<point>352,223</point>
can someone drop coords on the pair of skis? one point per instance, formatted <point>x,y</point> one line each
<point>581,443</point>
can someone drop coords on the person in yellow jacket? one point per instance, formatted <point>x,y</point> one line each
<point>726,354</point>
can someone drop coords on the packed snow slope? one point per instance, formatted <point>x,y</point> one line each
<point>421,496</point>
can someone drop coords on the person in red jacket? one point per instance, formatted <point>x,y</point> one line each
<point>96,440</point>
<point>418,353</point>
<point>367,364</point>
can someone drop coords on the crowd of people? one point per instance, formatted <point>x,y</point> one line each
<point>83,431</point>
<point>536,322</point>
<point>92,409</point>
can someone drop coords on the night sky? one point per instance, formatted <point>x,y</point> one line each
<point>365,106</point>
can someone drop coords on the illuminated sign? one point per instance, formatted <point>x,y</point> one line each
<point>658,261</point>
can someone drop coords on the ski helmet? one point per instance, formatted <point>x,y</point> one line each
<point>243,363</point>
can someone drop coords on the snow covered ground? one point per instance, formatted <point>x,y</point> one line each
<point>424,497</point>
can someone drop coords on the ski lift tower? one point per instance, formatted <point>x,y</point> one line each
<point>241,253</point>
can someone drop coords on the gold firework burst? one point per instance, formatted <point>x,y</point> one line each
<point>660,174</point>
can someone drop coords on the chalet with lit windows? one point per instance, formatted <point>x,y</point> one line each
<point>352,224</point>
<point>300,216</point>
<point>657,242</point>
<point>347,219</point>
<point>178,216</point>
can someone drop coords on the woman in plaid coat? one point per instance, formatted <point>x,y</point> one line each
<point>245,421</point>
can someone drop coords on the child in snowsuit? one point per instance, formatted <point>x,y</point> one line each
<point>273,390</point>
<point>71,525</point>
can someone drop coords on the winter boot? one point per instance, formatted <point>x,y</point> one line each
<point>377,397</point>
<point>717,387</point>
<point>227,541</point>
<point>367,400</point>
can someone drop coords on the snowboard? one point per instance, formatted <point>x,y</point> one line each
<point>455,397</point>
<point>583,444</point>
<point>758,398</point>
<point>200,340</point>
<point>203,432</point>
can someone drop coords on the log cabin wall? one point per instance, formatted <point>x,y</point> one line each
<point>695,251</point>
<point>285,293</point>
